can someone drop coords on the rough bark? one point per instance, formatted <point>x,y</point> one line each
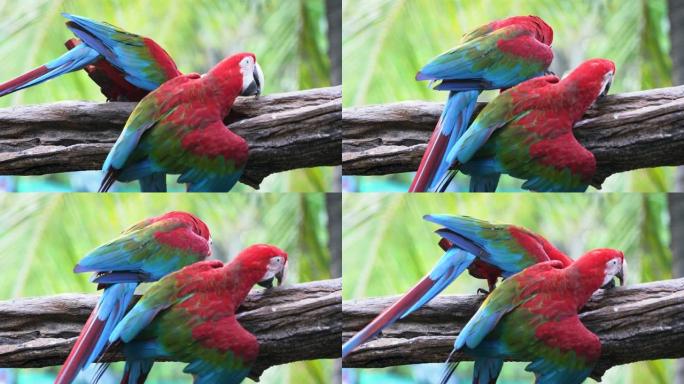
<point>625,132</point>
<point>300,322</point>
<point>634,323</point>
<point>284,131</point>
<point>334,16</point>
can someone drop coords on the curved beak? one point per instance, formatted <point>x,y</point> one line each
<point>279,276</point>
<point>622,275</point>
<point>257,84</point>
<point>268,283</point>
<point>606,86</point>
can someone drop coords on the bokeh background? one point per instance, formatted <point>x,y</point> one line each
<point>42,236</point>
<point>387,248</point>
<point>289,38</point>
<point>385,42</point>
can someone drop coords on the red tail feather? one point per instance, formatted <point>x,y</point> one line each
<point>9,86</point>
<point>81,350</point>
<point>430,161</point>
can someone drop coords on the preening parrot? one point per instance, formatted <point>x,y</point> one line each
<point>498,55</point>
<point>532,316</point>
<point>189,316</point>
<point>488,251</point>
<point>526,132</point>
<point>178,129</point>
<point>125,66</point>
<point>145,252</point>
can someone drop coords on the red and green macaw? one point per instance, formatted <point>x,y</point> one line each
<point>532,316</point>
<point>526,132</point>
<point>498,55</point>
<point>125,66</point>
<point>147,251</point>
<point>189,316</point>
<point>488,251</point>
<point>178,129</point>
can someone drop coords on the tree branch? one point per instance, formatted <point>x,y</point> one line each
<point>300,322</point>
<point>284,131</point>
<point>625,132</point>
<point>635,323</point>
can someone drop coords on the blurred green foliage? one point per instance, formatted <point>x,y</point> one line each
<point>288,37</point>
<point>387,248</point>
<point>385,42</point>
<point>44,235</point>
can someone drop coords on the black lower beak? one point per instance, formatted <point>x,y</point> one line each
<point>252,90</point>
<point>609,285</point>
<point>268,283</point>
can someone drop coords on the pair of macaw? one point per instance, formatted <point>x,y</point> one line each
<point>531,316</point>
<point>526,131</point>
<point>188,315</point>
<point>177,128</point>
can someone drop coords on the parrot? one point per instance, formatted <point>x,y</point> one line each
<point>532,316</point>
<point>497,55</point>
<point>189,316</point>
<point>526,132</point>
<point>145,252</point>
<point>178,129</point>
<point>488,251</point>
<point>125,66</point>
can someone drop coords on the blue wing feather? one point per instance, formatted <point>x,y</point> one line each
<point>121,49</point>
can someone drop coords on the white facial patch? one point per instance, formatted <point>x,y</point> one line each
<point>613,267</point>
<point>247,71</point>
<point>275,265</point>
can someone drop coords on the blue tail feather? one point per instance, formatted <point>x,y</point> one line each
<point>455,118</point>
<point>73,60</point>
<point>448,268</point>
<point>111,309</point>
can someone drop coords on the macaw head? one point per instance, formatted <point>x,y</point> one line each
<point>595,76</point>
<point>605,264</point>
<point>267,261</point>
<point>240,73</point>
<point>252,76</point>
<point>543,32</point>
<point>198,226</point>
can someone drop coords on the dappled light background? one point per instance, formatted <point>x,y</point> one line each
<point>388,248</point>
<point>42,236</point>
<point>288,38</point>
<point>385,42</point>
